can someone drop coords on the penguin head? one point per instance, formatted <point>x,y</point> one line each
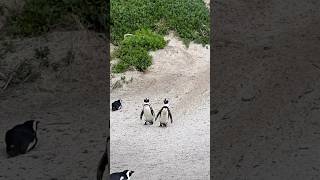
<point>146,100</point>
<point>32,124</point>
<point>166,101</point>
<point>128,173</point>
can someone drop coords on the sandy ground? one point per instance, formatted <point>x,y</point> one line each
<point>265,90</point>
<point>70,105</point>
<point>180,151</point>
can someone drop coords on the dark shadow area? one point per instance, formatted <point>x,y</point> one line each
<point>60,77</point>
<point>265,89</point>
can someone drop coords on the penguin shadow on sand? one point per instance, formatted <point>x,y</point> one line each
<point>164,114</point>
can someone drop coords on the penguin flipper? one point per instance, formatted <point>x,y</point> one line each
<point>33,145</point>
<point>141,114</point>
<point>103,162</point>
<point>152,112</point>
<point>158,114</point>
<point>170,116</point>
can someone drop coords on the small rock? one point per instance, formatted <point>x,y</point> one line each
<point>246,99</point>
<point>266,48</point>
<point>215,111</point>
<point>303,148</point>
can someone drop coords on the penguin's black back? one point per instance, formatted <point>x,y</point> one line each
<point>18,139</point>
<point>116,105</point>
<point>117,176</point>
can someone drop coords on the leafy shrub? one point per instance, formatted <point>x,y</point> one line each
<point>40,16</point>
<point>188,18</point>
<point>144,38</point>
<point>137,57</point>
<point>133,50</point>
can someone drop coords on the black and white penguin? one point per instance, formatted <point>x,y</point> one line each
<point>165,114</point>
<point>147,112</point>
<point>116,105</point>
<point>22,138</point>
<point>124,175</point>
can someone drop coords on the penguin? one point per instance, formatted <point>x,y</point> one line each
<point>104,162</point>
<point>165,114</point>
<point>147,112</point>
<point>22,138</point>
<point>116,105</point>
<point>124,175</point>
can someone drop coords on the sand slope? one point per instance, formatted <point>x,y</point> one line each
<point>180,151</point>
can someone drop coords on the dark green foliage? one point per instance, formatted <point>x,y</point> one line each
<point>146,39</point>
<point>40,16</point>
<point>188,18</point>
<point>133,50</point>
<point>137,57</point>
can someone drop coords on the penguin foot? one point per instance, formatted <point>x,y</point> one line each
<point>145,123</point>
<point>163,125</point>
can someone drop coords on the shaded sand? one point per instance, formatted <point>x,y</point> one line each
<point>69,103</point>
<point>266,95</point>
<point>180,151</point>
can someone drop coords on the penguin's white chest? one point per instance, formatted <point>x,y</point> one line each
<point>31,144</point>
<point>164,116</point>
<point>147,113</point>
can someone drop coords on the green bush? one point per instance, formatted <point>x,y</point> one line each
<point>133,50</point>
<point>40,16</point>
<point>188,18</point>
<point>144,38</point>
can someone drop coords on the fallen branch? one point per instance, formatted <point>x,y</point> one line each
<point>316,66</point>
<point>61,123</point>
<point>8,82</point>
